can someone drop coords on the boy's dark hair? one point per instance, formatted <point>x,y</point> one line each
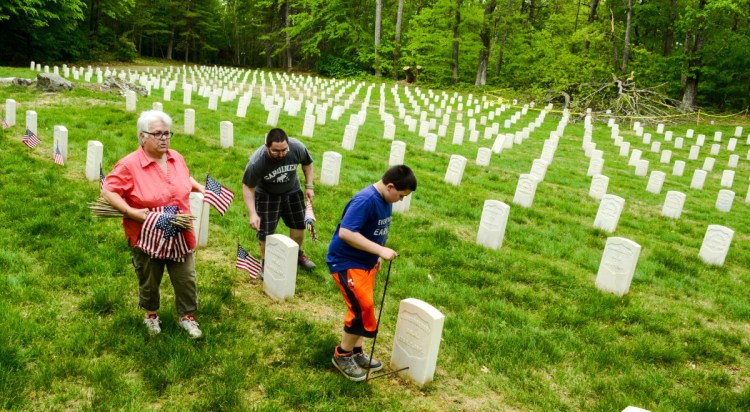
<point>402,178</point>
<point>276,135</point>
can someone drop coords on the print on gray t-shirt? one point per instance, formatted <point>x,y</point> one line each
<point>276,177</point>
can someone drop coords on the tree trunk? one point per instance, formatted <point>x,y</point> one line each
<point>626,45</point>
<point>171,44</point>
<point>378,12</point>
<point>484,52</point>
<point>456,36</point>
<point>693,61</point>
<point>269,52</point>
<point>504,38</point>
<point>397,45</point>
<point>287,38</point>
<point>592,17</point>
<point>669,33</point>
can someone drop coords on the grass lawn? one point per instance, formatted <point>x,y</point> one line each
<point>525,327</point>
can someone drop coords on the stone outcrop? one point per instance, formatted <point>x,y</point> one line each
<point>50,82</point>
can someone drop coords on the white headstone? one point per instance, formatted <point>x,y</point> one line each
<point>167,94</point>
<point>10,111</point>
<point>350,137</point>
<point>492,225</point>
<point>689,133</point>
<point>679,168</point>
<point>655,182</point>
<point>130,100</point>
<point>458,134</point>
<point>617,266</point>
<point>666,156</point>
<point>716,244</point>
<point>624,149</point>
<point>635,156</point>
<point>273,116</point>
<point>738,131</point>
<point>416,341</point>
<point>673,204</point>
<point>598,187</point>
<point>647,138</point>
<point>655,147</point>
<point>694,152</point>
<point>60,141</point>
<point>158,106</point>
<point>732,144</point>
<point>483,156</point>
<point>717,136</point>
<point>280,267</point>
<point>389,131</point>
<point>609,212</point>
<point>699,178</point>
<point>727,178</point>
<point>539,168</point>
<point>94,154</point>
<point>31,121</point>
<point>200,210</point>
<point>187,95</point>
<point>715,148</point>
<point>700,140</point>
<point>308,128</point>
<point>708,164</point>
<point>668,136</point>
<point>226,133</point>
<point>678,143</point>
<point>455,171</point>
<point>398,150</point>
<point>430,142</point>
<point>641,168</point>
<point>724,200</point>
<point>733,161</point>
<point>189,127</point>
<point>595,166</point>
<point>525,190</point>
<point>403,205</point>
<point>330,169</point>
<point>660,128</point>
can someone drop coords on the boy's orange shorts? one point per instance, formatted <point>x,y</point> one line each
<point>356,285</point>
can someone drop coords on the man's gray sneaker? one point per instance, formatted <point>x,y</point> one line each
<point>348,367</point>
<point>304,262</point>
<point>363,361</point>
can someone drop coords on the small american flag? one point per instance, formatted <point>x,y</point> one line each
<point>248,263</point>
<point>160,238</point>
<point>58,156</point>
<point>30,139</point>
<point>101,176</point>
<point>217,195</point>
<point>310,221</point>
<point>5,124</point>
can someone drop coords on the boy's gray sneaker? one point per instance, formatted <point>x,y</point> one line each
<point>363,361</point>
<point>348,367</point>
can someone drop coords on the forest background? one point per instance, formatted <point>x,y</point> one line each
<point>680,55</point>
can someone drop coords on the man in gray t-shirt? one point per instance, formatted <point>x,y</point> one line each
<point>271,189</point>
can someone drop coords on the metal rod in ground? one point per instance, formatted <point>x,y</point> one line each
<point>377,325</point>
<point>388,373</point>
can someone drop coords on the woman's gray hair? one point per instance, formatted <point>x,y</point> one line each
<point>151,116</point>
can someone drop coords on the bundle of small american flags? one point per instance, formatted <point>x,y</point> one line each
<point>160,238</point>
<point>310,221</point>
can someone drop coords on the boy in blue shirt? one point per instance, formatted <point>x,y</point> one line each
<point>354,258</point>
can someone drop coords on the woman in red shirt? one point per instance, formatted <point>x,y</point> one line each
<point>154,176</point>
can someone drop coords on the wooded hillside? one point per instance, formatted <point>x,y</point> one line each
<point>695,52</point>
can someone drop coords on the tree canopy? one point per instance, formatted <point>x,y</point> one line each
<point>696,52</point>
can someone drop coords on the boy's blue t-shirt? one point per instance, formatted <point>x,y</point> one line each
<point>368,214</point>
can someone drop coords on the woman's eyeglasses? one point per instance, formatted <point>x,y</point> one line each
<point>160,135</point>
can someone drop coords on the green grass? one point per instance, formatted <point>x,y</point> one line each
<point>525,328</point>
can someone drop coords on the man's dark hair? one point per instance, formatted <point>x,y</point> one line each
<point>402,178</point>
<point>276,135</point>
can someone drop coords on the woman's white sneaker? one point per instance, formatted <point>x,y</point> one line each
<point>152,323</point>
<point>191,326</point>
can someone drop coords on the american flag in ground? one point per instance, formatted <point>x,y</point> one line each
<point>160,238</point>
<point>101,176</point>
<point>217,195</point>
<point>248,263</point>
<point>5,124</point>
<point>310,221</point>
<point>30,139</point>
<point>58,156</point>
